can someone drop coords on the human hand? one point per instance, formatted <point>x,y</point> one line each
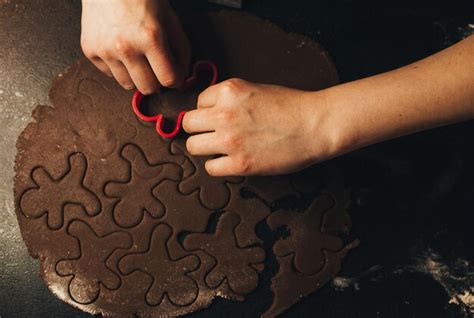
<point>265,129</point>
<point>139,42</point>
<point>258,129</point>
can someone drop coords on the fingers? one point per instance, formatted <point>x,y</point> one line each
<point>204,144</point>
<point>228,166</point>
<point>208,97</point>
<point>120,73</point>
<point>101,65</point>
<point>228,91</point>
<point>198,120</point>
<point>140,43</point>
<point>131,68</point>
<point>161,60</point>
<point>142,75</point>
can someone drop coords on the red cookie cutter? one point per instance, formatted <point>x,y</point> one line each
<point>189,82</point>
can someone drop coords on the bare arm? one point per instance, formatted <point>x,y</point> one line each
<point>266,129</point>
<point>435,91</point>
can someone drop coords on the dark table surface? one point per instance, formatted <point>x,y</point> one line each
<point>412,198</point>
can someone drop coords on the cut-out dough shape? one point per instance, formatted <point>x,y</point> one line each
<point>144,177</point>
<point>233,263</point>
<point>91,114</point>
<point>184,213</point>
<point>213,191</point>
<point>306,240</point>
<point>169,276</point>
<point>313,252</point>
<point>251,212</point>
<point>90,270</point>
<point>50,196</point>
<point>289,286</point>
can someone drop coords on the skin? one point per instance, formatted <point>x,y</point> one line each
<point>262,129</point>
<point>259,129</point>
<point>139,42</point>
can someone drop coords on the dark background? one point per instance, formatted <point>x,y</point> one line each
<point>412,198</point>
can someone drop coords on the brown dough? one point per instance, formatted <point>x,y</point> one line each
<point>119,218</point>
<point>232,263</point>
<point>312,254</point>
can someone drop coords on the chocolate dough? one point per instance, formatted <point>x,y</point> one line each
<point>120,219</point>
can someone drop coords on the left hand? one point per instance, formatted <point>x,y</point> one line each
<point>258,129</point>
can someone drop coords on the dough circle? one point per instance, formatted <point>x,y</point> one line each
<point>120,219</point>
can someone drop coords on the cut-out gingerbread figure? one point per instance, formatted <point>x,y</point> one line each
<point>169,276</point>
<point>144,177</point>
<point>233,263</point>
<point>306,240</point>
<point>213,192</point>
<point>50,196</point>
<point>90,269</point>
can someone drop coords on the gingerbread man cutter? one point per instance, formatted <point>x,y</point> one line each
<point>198,67</point>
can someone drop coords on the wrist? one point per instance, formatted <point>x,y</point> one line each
<point>331,131</point>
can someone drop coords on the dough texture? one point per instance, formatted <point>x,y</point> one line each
<point>125,223</point>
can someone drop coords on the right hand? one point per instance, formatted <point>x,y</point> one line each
<point>139,42</point>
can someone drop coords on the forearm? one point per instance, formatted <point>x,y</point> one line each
<point>259,129</point>
<point>432,92</point>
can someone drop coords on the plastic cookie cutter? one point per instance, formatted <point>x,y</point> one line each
<point>198,67</point>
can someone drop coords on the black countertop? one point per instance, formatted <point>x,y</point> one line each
<point>412,198</point>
